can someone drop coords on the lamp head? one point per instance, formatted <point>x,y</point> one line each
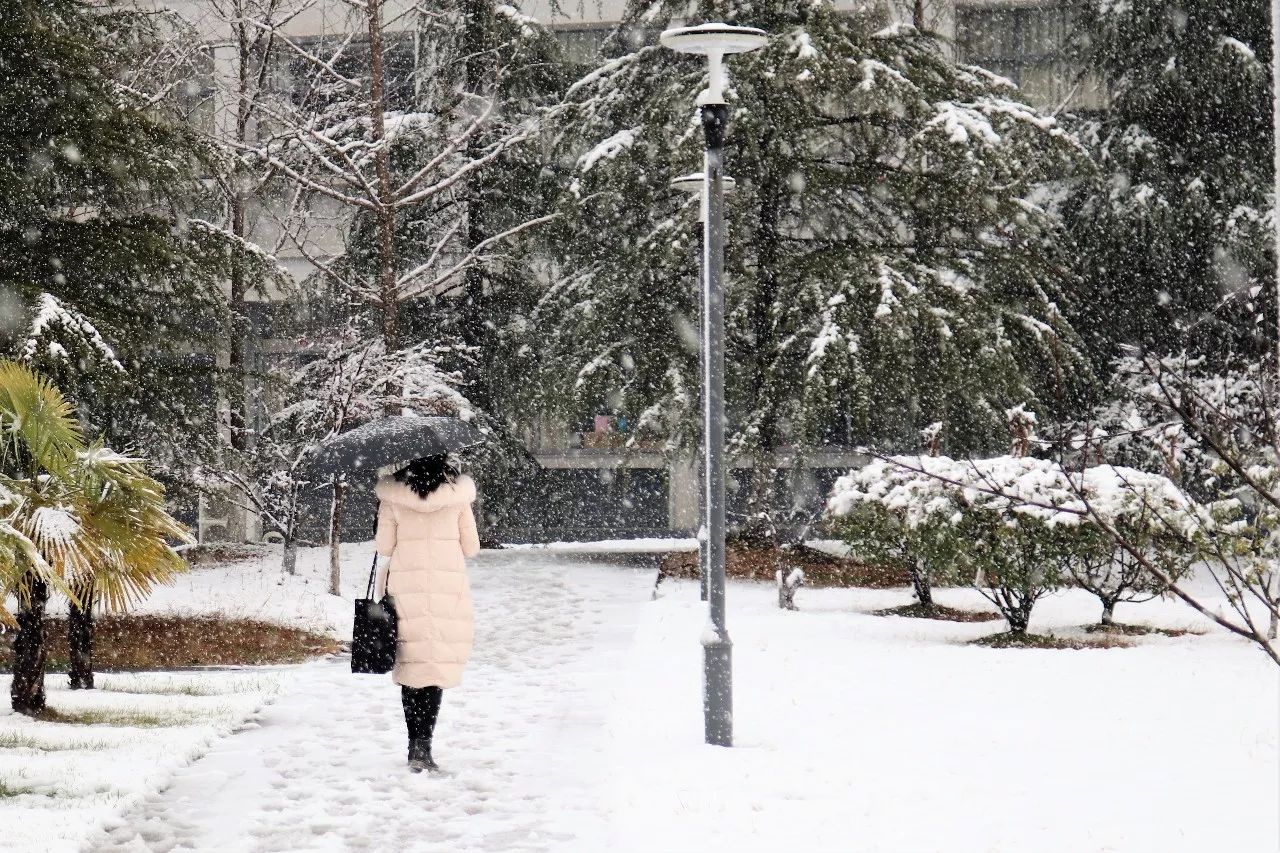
<point>707,39</point>
<point>714,41</point>
<point>693,183</point>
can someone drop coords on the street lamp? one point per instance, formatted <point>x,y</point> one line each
<point>691,184</point>
<point>714,41</point>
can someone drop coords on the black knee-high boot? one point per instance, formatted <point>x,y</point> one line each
<point>421,710</point>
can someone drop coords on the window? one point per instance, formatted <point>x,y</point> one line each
<point>307,87</point>
<point>1025,44</point>
<point>581,46</point>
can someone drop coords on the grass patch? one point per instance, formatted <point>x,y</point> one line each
<point>948,614</point>
<point>10,789</point>
<point>119,717</point>
<point>1008,640</point>
<point>32,740</point>
<point>761,563</point>
<point>178,687</point>
<point>1121,629</point>
<point>124,642</point>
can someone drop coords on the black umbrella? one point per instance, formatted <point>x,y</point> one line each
<point>392,440</point>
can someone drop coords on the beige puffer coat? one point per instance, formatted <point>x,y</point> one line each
<point>427,541</point>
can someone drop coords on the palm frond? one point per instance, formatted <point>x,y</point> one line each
<point>22,554</point>
<point>39,431</point>
<point>123,514</point>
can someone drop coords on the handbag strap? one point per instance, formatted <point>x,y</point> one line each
<point>373,568</point>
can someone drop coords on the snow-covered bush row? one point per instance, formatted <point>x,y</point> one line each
<point>1018,527</point>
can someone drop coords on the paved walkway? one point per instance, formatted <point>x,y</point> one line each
<point>323,768</point>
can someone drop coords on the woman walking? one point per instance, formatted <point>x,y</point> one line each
<point>427,529</point>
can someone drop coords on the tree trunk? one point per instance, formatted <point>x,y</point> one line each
<point>1108,612</point>
<point>478,61</point>
<point>1017,624</point>
<point>236,204</point>
<point>1273,588</point>
<point>1019,617</point>
<point>923,588</point>
<point>236,345</point>
<point>335,541</point>
<point>385,214</point>
<point>290,532</point>
<point>80,642</point>
<point>771,258</point>
<point>27,690</point>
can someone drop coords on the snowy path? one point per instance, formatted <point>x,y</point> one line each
<point>324,770</point>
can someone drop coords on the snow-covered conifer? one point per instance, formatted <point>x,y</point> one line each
<point>1176,220</point>
<point>113,291</point>
<point>892,260</point>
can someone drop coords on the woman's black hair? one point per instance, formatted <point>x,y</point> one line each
<point>426,475</point>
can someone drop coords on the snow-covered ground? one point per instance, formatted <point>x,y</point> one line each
<point>60,781</point>
<point>579,728</point>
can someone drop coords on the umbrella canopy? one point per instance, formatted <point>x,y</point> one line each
<point>391,440</point>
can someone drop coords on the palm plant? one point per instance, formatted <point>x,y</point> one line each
<point>40,533</point>
<point>125,524</point>
<point>82,521</point>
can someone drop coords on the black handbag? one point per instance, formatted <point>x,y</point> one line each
<point>373,636</point>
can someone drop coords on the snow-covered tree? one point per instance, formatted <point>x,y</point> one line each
<point>340,381</point>
<point>1136,425</point>
<point>1177,219</point>
<point>108,286</point>
<point>891,258</point>
<point>410,130</point>
<point>389,140</point>
<point>1213,429</point>
<point>241,64</point>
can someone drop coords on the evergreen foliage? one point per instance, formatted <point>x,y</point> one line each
<point>891,260</point>
<point>1173,237</point>
<point>110,283</point>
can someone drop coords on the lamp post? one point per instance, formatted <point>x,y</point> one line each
<point>696,183</point>
<point>714,41</point>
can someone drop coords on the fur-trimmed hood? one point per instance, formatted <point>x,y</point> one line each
<point>460,492</point>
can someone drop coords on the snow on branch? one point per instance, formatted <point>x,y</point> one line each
<point>52,317</point>
<point>608,149</point>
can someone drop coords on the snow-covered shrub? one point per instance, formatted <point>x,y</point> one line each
<point>1135,519</point>
<point>788,584</point>
<point>1210,428</point>
<point>980,520</point>
<point>1010,533</point>
<point>1017,527</point>
<point>882,512</point>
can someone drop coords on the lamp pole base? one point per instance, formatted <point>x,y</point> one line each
<point>717,689</point>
